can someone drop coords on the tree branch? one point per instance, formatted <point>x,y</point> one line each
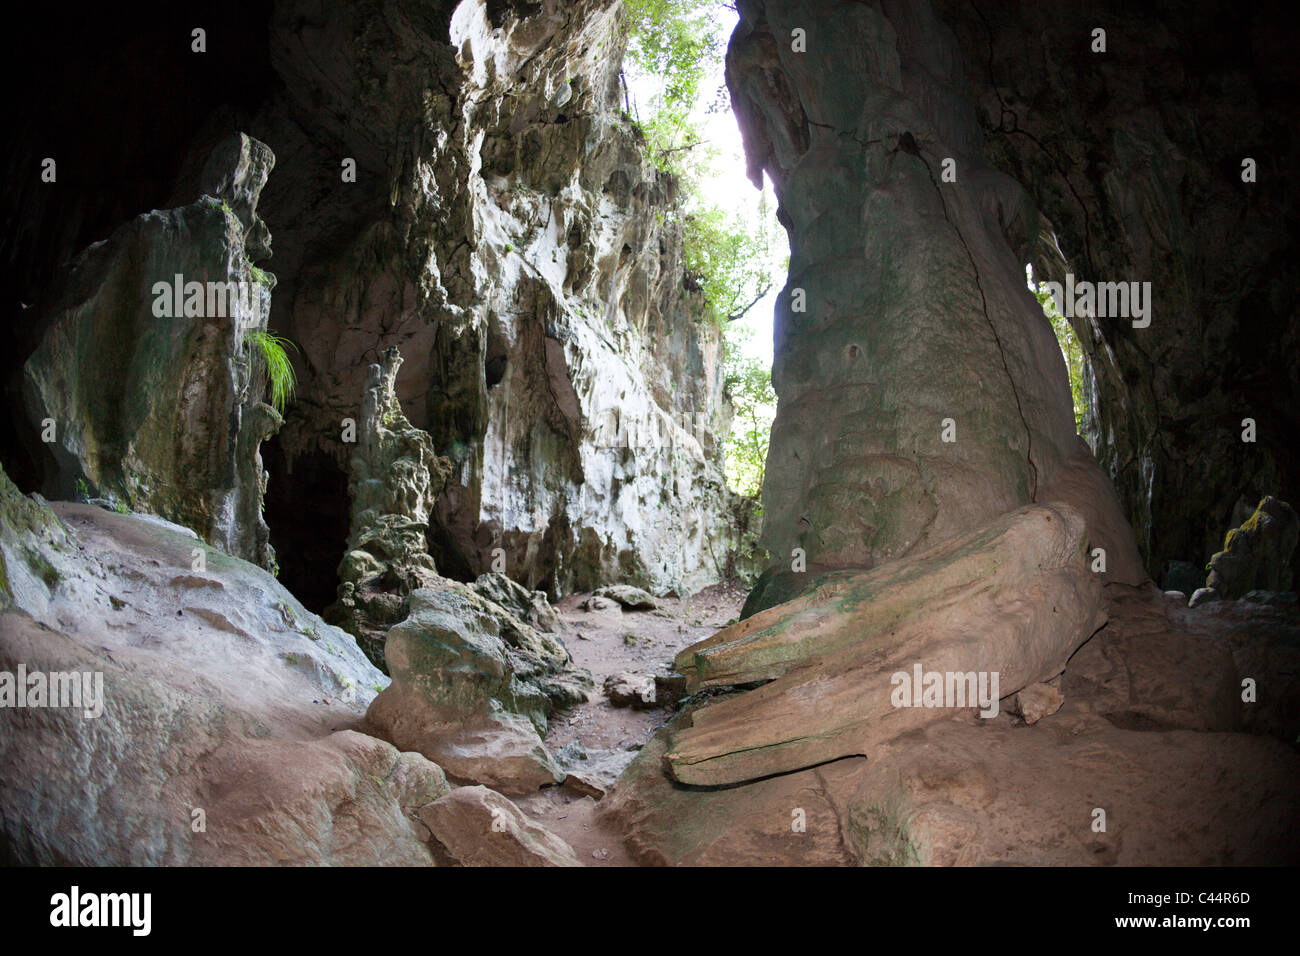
<point>752,302</point>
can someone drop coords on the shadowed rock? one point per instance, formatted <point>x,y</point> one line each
<point>152,390</point>
<point>1258,554</point>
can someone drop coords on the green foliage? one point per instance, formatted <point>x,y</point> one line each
<point>1070,349</point>
<point>275,363</point>
<point>674,40</point>
<point>730,264</point>
<point>677,45</point>
<point>749,384</point>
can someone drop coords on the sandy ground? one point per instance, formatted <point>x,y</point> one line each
<point>607,642</point>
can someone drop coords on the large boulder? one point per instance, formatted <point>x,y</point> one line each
<point>963,790</point>
<point>530,606</point>
<point>479,827</point>
<point>473,688</point>
<point>218,720</point>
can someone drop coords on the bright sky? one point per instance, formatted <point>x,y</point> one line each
<point>726,184</point>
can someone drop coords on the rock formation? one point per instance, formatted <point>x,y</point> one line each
<point>897,271</point>
<point>460,821</point>
<point>142,387</point>
<point>223,729</point>
<point>395,480</point>
<point>505,233</point>
<point>473,688</point>
<point>1158,160</point>
<point>1257,555</point>
<point>1008,603</point>
<point>954,655</point>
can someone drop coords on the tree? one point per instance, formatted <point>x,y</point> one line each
<point>749,386</point>
<point>675,48</point>
<point>674,41</point>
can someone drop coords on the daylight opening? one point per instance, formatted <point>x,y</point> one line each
<point>736,253</point>
<point>1071,350</point>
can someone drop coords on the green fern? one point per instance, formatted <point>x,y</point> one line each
<point>275,360</point>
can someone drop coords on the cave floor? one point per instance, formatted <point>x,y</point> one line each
<point>608,642</point>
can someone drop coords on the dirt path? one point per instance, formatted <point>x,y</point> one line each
<point>607,642</point>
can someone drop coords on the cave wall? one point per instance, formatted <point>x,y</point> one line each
<point>500,228</point>
<point>505,234</point>
<point>1134,157</point>
<point>146,386</point>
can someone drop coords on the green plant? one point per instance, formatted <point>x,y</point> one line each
<point>82,489</point>
<point>674,40</point>
<point>748,384</point>
<point>275,363</point>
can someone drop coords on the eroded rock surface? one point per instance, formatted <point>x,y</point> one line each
<point>1012,601</point>
<point>505,233</point>
<point>395,480</point>
<point>473,688</point>
<point>1144,728</point>
<point>150,393</point>
<point>921,391</point>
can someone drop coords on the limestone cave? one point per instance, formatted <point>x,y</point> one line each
<point>383,481</point>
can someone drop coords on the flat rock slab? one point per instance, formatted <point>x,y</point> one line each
<point>1011,601</point>
<point>970,792</point>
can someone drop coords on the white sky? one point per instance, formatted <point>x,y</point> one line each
<point>726,185</point>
